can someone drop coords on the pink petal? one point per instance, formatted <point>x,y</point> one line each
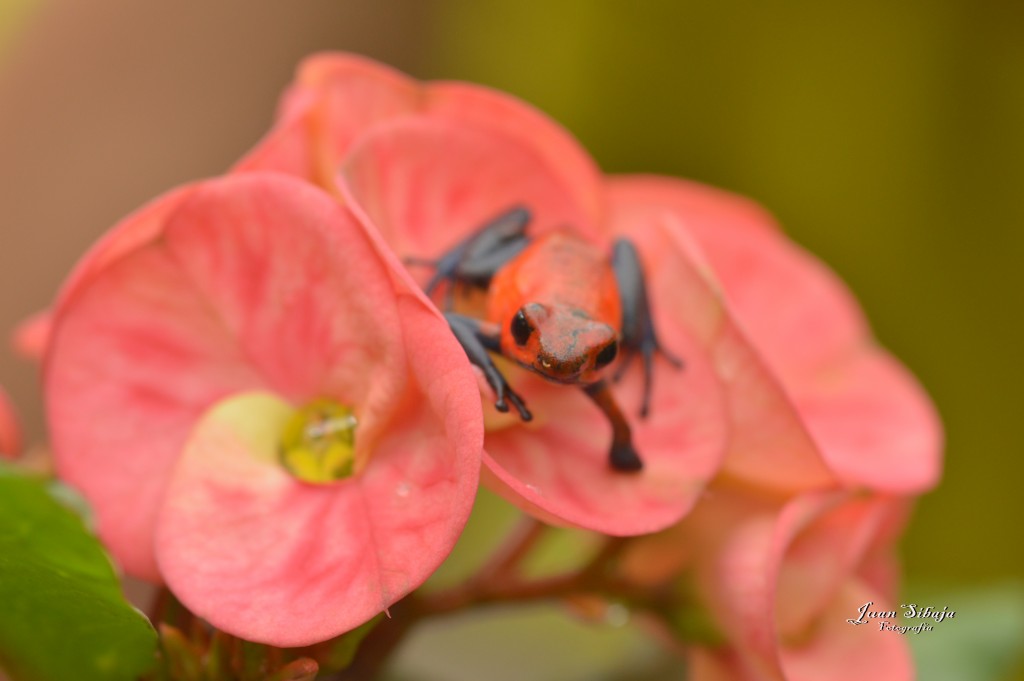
<point>134,231</point>
<point>825,538</point>
<point>776,580</point>
<point>845,652</point>
<point>739,588</point>
<point>874,423</point>
<point>703,207</point>
<point>10,434</point>
<point>290,146</point>
<point>557,466</point>
<point>427,184</point>
<point>32,335</point>
<point>133,362</point>
<point>881,571</point>
<point>335,98</point>
<point>769,444</point>
<point>798,315</point>
<point>837,651</point>
<point>294,282</point>
<point>485,108</point>
<point>271,559</point>
<point>249,284</point>
<point>338,97</point>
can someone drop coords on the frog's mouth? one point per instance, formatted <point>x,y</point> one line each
<point>566,372</point>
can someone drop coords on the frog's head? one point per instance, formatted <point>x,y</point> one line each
<point>561,343</point>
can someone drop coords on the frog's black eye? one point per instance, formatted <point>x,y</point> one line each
<point>521,329</point>
<point>607,354</point>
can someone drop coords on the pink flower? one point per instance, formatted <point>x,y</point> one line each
<point>783,386</point>
<point>426,165</point>
<point>816,386</point>
<point>261,410</point>
<point>785,394</point>
<point>10,434</point>
<point>782,581</point>
<point>814,403</point>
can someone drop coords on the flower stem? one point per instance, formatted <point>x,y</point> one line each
<point>376,648</point>
<point>592,577</point>
<point>498,581</point>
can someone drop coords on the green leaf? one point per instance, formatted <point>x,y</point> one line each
<point>983,642</point>
<point>62,614</point>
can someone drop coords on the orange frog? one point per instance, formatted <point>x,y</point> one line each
<point>558,306</point>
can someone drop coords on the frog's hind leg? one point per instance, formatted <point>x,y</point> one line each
<point>638,335</point>
<point>475,259</point>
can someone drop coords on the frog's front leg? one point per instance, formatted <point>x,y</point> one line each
<point>475,259</point>
<point>638,335</point>
<point>478,342</point>
<point>622,456</point>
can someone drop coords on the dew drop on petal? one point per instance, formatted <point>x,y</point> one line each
<point>403,489</point>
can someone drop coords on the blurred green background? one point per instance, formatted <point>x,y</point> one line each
<point>887,137</point>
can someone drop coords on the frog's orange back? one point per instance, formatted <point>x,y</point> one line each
<point>565,287</point>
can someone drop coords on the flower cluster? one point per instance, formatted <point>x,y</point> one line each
<point>269,416</point>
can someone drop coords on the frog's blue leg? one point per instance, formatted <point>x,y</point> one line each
<point>477,342</point>
<point>475,259</point>
<point>473,262</point>
<point>638,335</point>
<point>622,456</point>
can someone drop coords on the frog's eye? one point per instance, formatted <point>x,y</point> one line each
<point>607,354</point>
<point>521,328</point>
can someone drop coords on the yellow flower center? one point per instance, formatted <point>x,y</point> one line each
<point>318,442</point>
